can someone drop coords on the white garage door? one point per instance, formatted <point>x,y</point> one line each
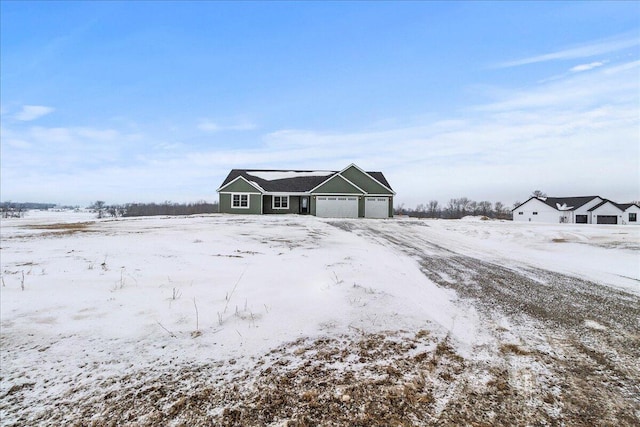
<point>337,207</point>
<point>376,207</point>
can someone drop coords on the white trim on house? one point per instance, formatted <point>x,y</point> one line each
<point>337,195</point>
<point>238,192</point>
<point>333,176</point>
<point>251,183</point>
<point>279,193</point>
<point>240,195</point>
<point>365,172</point>
<point>281,197</point>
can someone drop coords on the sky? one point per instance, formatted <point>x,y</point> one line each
<point>157,101</point>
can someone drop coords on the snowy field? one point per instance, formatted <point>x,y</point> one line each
<point>296,320</point>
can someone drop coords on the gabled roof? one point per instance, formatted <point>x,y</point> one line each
<point>567,203</point>
<point>242,178</point>
<point>625,206</point>
<point>288,181</point>
<point>604,202</point>
<point>379,177</point>
<point>563,203</point>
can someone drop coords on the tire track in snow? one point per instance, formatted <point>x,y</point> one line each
<point>585,333</point>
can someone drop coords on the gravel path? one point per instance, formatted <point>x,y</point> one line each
<point>585,336</point>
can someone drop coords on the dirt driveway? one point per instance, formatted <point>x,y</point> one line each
<point>570,352</point>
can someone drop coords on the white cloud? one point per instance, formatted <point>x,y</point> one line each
<point>574,135</point>
<point>208,125</point>
<point>17,143</point>
<point>585,51</point>
<point>587,67</point>
<point>32,112</point>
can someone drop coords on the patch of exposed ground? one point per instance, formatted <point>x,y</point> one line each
<point>392,378</point>
<point>586,335</point>
<point>57,229</point>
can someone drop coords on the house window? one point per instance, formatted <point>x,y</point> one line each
<point>535,213</point>
<point>632,217</point>
<point>520,213</point>
<point>240,201</point>
<point>280,202</point>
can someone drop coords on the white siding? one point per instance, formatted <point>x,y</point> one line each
<point>606,209</point>
<point>584,210</point>
<point>635,210</point>
<point>537,211</point>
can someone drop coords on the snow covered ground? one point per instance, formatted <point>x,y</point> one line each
<point>94,311</point>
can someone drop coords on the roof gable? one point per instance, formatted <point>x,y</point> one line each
<point>625,206</point>
<point>241,185</point>
<point>370,182</point>
<point>337,184</point>
<point>605,202</point>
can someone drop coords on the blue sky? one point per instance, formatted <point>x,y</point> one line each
<point>154,101</point>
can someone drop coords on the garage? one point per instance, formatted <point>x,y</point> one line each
<point>376,207</point>
<point>607,219</point>
<point>337,206</point>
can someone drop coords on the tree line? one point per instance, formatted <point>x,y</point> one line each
<point>17,210</point>
<point>457,208</point>
<point>153,209</point>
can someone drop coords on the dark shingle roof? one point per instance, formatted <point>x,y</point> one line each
<point>378,176</point>
<point>625,206</point>
<point>302,183</point>
<point>605,201</point>
<point>571,203</point>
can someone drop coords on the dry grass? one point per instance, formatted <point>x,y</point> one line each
<point>62,229</point>
<point>75,226</point>
<point>513,349</point>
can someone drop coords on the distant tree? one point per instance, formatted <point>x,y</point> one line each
<point>168,208</point>
<point>115,210</point>
<point>484,208</point>
<point>99,207</point>
<point>538,193</point>
<point>433,210</point>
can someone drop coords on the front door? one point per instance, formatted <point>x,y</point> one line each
<point>304,204</point>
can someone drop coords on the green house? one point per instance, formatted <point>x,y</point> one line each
<point>349,193</point>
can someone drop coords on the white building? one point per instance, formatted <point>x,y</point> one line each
<point>576,210</point>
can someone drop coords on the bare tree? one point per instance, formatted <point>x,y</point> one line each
<point>433,209</point>
<point>99,207</point>
<point>538,193</point>
<point>484,208</point>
